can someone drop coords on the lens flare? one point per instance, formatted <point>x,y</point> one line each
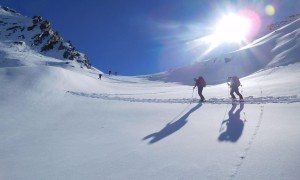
<point>270,10</point>
<point>255,22</point>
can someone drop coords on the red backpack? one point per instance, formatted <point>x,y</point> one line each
<point>200,81</point>
<point>236,81</point>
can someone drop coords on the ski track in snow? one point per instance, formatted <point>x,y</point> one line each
<point>247,100</point>
<point>244,154</point>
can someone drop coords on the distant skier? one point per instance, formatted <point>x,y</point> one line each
<point>100,75</point>
<point>234,84</point>
<point>109,72</point>
<point>200,83</point>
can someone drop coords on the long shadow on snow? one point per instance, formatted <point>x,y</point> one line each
<point>171,127</point>
<point>234,125</point>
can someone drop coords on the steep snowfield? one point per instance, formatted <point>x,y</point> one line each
<point>59,121</point>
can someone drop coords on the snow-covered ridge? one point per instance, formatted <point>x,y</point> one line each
<point>37,34</point>
<point>287,20</point>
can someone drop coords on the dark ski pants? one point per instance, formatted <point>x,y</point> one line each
<point>200,89</point>
<point>235,89</point>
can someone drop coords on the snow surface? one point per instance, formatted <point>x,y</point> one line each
<point>59,121</point>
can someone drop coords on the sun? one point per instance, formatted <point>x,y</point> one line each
<point>232,28</point>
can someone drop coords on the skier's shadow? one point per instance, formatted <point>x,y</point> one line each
<point>234,125</point>
<point>171,127</point>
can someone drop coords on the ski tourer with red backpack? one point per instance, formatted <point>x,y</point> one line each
<point>234,84</point>
<point>200,83</point>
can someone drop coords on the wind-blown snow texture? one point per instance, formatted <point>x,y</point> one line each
<point>59,121</point>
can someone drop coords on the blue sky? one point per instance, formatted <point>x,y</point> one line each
<point>136,37</point>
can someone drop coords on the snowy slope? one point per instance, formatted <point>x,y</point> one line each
<point>53,126</point>
<point>59,121</point>
<point>277,48</point>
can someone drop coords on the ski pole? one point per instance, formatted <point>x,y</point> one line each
<point>192,95</point>
<point>193,92</point>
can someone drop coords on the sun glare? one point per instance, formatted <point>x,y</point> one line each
<point>232,28</point>
<point>238,28</point>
